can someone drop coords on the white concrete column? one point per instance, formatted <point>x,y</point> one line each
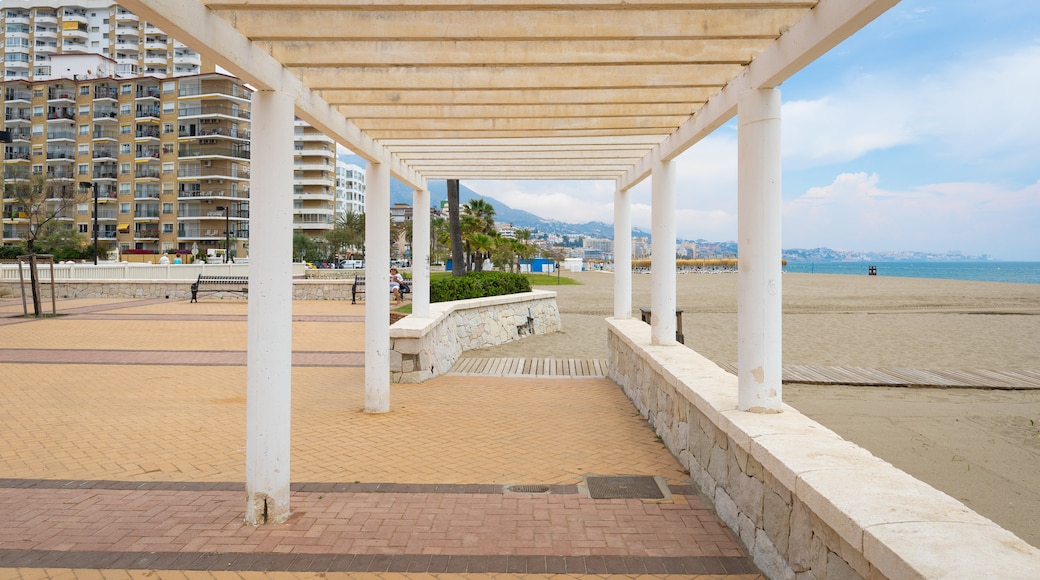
<point>421,253</point>
<point>662,258</point>
<point>759,305</point>
<point>269,328</point>
<point>377,288</point>
<point>622,254</point>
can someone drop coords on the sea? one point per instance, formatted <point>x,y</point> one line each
<point>1015,272</point>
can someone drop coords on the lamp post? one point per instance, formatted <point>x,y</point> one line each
<point>93,186</point>
<point>227,231</point>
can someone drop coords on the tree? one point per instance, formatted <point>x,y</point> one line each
<point>401,234</point>
<point>458,268</point>
<point>348,235</point>
<point>303,245</point>
<point>526,251</point>
<point>484,212</point>
<point>43,200</point>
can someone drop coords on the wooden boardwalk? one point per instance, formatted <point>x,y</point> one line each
<point>907,377</point>
<point>792,374</point>
<point>531,367</point>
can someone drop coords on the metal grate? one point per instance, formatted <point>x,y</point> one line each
<point>624,487</point>
<point>527,488</point>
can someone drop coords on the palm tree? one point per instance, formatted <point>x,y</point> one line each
<point>481,244</point>
<point>349,233</point>
<point>458,268</point>
<point>526,251</point>
<point>484,212</point>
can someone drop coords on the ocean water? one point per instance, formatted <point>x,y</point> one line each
<point>1016,272</point>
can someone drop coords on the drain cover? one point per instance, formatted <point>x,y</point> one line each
<point>624,487</point>
<point>527,488</point>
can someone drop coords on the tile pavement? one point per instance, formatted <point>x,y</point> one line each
<point>123,457</point>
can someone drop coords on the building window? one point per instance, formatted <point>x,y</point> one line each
<point>37,130</point>
<point>127,89</point>
<point>169,87</point>
<point>37,111</point>
<point>82,228</point>
<point>126,129</point>
<point>167,107</point>
<point>167,128</point>
<point>84,129</point>
<point>124,207</point>
<point>167,228</point>
<point>37,170</point>
<point>84,148</point>
<point>167,208</point>
<point>124,147</point>
<point>124,109</point>
<point>124,169</point>
<point>84,90</point>
<point>167,148</point>
<point>124,188</point>
<point>167,167</point>
<point>82,208</point>
<point>83,169</point>
<point>84,110</point>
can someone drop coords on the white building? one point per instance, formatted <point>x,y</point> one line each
<point>350,189</point>
<point>36,30</point>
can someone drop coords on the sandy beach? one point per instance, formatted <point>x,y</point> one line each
<point>980,446</point>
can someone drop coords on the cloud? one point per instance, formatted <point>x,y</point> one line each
<point>978,107</point>
<point>854,212</point>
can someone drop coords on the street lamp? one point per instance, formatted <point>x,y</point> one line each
<point>227,231</point>
<point>93,185</point>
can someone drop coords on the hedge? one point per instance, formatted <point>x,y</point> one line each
<point>477,285</point>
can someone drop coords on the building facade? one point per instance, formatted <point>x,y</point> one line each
<point>37,30</point>
<point>350,189</point>
<point>314,181</point>
<point>168,158</point>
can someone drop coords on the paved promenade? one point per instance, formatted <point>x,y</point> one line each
<point>122,456</point>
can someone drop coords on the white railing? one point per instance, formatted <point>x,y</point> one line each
<point>129,271</point>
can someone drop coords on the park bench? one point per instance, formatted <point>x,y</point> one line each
<point>219,284</point>
<point>358,288</point>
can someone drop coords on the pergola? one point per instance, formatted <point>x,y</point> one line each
<point>488,89</point>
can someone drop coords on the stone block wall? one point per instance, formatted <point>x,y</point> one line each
<point>807,503</point>
<point>423,348</point>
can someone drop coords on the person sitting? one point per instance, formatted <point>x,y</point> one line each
<point>395,284</point>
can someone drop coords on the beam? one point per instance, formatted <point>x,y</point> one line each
<point>687,93</point>
<point>193,24</point>
<point>826,26</point>
<point>546,111</point>
<point>293,22</point>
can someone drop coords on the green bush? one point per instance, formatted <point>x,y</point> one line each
<point>477,285</point>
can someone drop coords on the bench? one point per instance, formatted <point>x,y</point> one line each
<point>358,287</point>
<point>219,284</point>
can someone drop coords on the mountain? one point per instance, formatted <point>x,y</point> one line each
<point>401,193</point>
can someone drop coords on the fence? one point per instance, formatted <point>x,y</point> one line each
<point>128,271</point>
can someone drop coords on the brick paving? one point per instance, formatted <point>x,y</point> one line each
<point>123,457</point>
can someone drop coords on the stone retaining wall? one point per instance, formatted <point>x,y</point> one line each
<point>174,289</point>
<point>423,348</point>
<point>807,503</point>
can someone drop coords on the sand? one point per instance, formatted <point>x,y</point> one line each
<point>980,446</point>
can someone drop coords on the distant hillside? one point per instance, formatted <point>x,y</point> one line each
<point>401,193</point>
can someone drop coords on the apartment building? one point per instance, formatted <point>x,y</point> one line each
<point>314,181</point>
<point>350,189</point>
<point>168,158</point>
<point>37,30</point>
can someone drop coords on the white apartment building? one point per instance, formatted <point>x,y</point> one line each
<point>350,189</point>
<point>36,30</point>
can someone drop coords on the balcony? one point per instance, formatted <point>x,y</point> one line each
<point>238,152</point>
<point>105,135</point>
<point>106,114</point>
<point>46,33</point>
<point>147,172</point>
<point>146,234</point>
<point>61,115</point>
<point>61,155</point>
<point>126,16</point>
<point>212,111</point>
<point>147,112</point>
<point>18,156</point>
<point>147,133</point>
<point>106,93</point>
<point>59,135</point>
<point>146,153</point>
<point>17,116</point>
<point>148,92</point>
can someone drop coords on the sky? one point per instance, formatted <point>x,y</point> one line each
<point>920,132</point>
